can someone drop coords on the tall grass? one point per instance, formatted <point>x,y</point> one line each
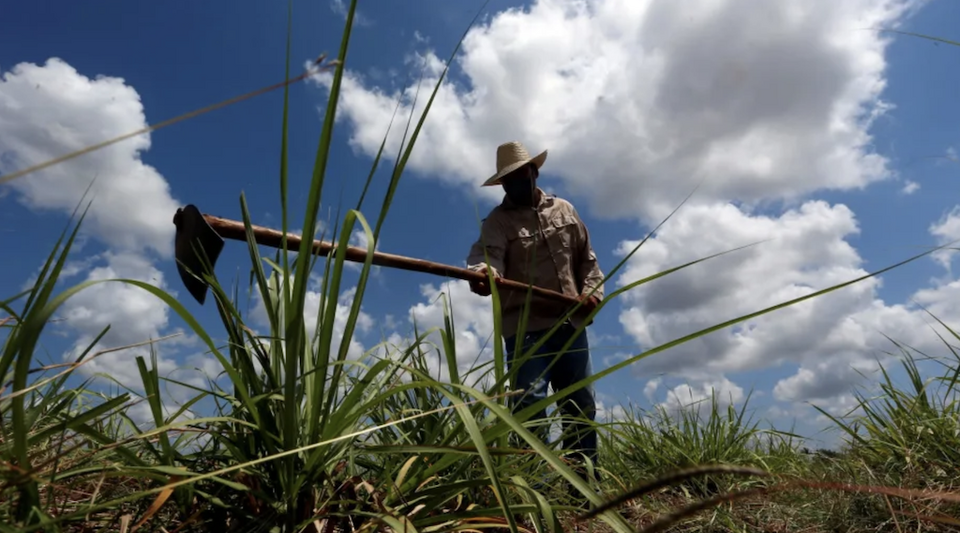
<point>652,444</point>
<point>305,438</point>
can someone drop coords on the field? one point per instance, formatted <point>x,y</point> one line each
<point>298,437</point>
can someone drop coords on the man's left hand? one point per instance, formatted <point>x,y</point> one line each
<point>588,303</point>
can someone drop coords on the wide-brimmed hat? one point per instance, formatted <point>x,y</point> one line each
<point>510,157</point>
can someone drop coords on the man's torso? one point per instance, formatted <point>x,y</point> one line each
<point>542,248</point>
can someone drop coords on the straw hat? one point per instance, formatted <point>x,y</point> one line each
<point>510,157</point>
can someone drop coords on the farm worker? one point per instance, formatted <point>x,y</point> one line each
<point>539,239</point>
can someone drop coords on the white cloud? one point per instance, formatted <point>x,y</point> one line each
<point>313,314</point>
<point>943,301</point>
<point>342,7</point>
<point>359,239</point>
<point>50,110</point>
<point>607,410</point>
<point>834,338</point>
<point>637,103</point>
<point>134,316</point>
<point>651,388</point>
<point>829,336</point>
<point>946,230</point>
<point>473,325</point>
<point>910,187</point>
<point>952,155</point>
<point>698,398</point>
<point>806,251</point>
<point>142,416</point>
<point>824,381</point>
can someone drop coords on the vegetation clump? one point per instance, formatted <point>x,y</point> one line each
<point>298,436</point>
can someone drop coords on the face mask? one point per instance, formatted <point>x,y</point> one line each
<point>519,190</point>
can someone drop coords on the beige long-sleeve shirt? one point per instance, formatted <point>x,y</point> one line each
<point>547,246</point>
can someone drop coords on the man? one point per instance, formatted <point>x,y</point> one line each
<point>539,239</point>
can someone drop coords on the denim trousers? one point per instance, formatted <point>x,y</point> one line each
<point>533,375</point>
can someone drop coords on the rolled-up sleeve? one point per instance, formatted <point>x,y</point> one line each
<point>591,277</point>
<point>491,246</point>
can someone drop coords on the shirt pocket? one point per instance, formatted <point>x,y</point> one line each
<point>565,227</point>
<point>523,238</point>
<point>521,250</point>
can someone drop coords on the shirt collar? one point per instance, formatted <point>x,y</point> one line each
<point>545,200</point>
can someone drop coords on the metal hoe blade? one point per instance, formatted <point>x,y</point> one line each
<point>197,247</point>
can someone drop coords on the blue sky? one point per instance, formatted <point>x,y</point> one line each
<point>635,109</point>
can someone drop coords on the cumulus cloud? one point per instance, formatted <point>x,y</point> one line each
<point>132,313</point>
<point>608,410</point>
<point>134,317</point>
<point>312,315</point>
<point>910,187</point>
<point>473,326</point>
<point>699,398</point>
<point>835,339</point>
<point>142,415</point>
<point>826,380</point>
<point>952,155</point>
<point>946,230</point>
<point>804,250</point>
<point>651,388</point>
<point>638,104</point>
<point>342,8</point>
<point>50,110</point>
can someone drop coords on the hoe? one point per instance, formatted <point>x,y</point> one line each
<point>200,238</point>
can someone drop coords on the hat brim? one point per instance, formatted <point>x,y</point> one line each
<point>495,179</point>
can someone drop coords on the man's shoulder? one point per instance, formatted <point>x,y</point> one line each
<point>494,213</point>
<point>494,217</point>
<point>562,204</point>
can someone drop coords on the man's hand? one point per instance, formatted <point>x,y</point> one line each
<point>588,303</point>
<point>481,287</point>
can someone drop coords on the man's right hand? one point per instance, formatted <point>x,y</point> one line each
<point>481,287</point>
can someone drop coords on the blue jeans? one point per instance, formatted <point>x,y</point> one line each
<point>571,367</point>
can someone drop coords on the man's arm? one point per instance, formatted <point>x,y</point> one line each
<point>492,247</point>
<point>591,277</point>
